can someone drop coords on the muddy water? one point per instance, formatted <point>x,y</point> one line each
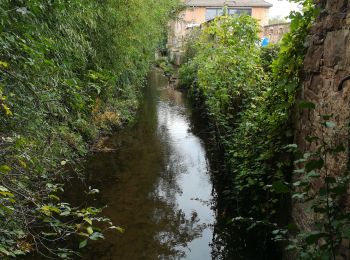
<point>156,183</point>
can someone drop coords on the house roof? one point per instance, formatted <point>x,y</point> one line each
<point>231,3</point>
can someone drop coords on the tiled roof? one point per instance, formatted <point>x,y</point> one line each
<point>237,3</point>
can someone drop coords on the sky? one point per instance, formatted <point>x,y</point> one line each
<point>281,8</point>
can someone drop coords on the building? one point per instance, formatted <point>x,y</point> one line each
<point>197,12</point>
<point>275,32</point>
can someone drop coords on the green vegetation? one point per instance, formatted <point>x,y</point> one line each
<point>164,64</point>
<point>277,20</point>
<point>69,70</point>
<point>331,227</point>
<point>249,95</point>
<point>246,99</point>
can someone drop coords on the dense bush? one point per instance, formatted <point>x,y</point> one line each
<point>227,73</point>
<point>249,94</point>
<point>68,70</point>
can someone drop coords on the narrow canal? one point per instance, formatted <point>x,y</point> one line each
<point>156,183</point>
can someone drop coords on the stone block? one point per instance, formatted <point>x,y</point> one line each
<point>335,48</point>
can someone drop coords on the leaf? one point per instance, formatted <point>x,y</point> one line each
<point>96,236</point>
<point>4,251</point>
<point>89,230</point>
<point>8,111</point>
<point>292,227</point>
<point>346,232</point>
<point>49,209</point>
<point>322,192</point>
<point>297,183</point>
<point>313,165</point>
<point>65,213</point>
<point>330,124</point>
<point>306,105</point>
<point>4,64</point>
<point>22,163</point>
<point>119,229</point>
<point>291,147</point>
<point>63,163</point>
<point>55,198</point>
<point>88,220</point>
<point>340,190</point>
<point>291,247</point>
<point>22,10</point>
<point>5,192</point>
<point>93,191</point>
<point>313,174</point>
<point>5,169</point>
<point>83,243</point>
<point>280,187</point>
<point>313,237</point>
<point>339,148</point>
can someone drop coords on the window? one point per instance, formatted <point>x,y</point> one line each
<point>211,13</point>
<point>239,11</point>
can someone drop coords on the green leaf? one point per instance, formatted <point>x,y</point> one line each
<point>313,165</point>
<point>54,197</point>
<point>330,124</point>
<point>96,236</point>
<point>119,229</point>
<point>65,213</point>
<point>346,232</point>
<point>5,192</point>
<point>306,105</point>
<point>5,169</point>
<point>49,209</point>
<point>89,230</point>
<point>4,64</point>
<point>339,148</point>
<point>8,111</point>
<point>313,237</point>
<point>88,220</point>
<point>322,192</point>
<point>83,243</point>
<point>340,190</point>
<point>313,174</point>
<point>280,187</point>
<point>4,251</point>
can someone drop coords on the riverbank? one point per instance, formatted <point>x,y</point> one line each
<point>66,77</point>
<point>241,88</point>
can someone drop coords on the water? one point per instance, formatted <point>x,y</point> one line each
<point>156,183</point>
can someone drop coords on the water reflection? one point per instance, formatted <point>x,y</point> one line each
<point>157,184</point>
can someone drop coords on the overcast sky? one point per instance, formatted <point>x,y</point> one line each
<point>281,8</point>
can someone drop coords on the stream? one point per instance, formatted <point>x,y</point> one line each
<point>156,183</point>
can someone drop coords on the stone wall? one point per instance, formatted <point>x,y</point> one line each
<point>326,65</point>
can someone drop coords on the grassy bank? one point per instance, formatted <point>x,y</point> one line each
<point>69,71</point>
